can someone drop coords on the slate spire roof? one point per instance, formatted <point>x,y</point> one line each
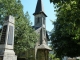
<point>39,8</point>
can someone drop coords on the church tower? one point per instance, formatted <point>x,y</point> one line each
<point>40,20</point>
<point>41,48</point>
<point>39,15</point>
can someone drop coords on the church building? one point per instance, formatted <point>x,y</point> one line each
<point>41,49</point>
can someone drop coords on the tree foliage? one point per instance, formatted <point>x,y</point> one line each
<point>61,1</point>
<point>25,37</point>
<point>65,36</point>
<point>53,57</point>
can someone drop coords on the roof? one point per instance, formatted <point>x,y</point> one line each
<point>39,8</point>
<point>44,46</point>
<point>35,27</point>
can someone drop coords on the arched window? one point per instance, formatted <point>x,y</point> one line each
<point>44,31</point>
<point>38,20</point>
<point>43,20</point>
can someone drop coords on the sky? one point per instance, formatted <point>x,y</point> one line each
<point>30,6</point>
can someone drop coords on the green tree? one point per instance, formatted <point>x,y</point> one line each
<point>65,36</point>
<point>53,57</point>
<point>62,1</point>
<point>25,37</point>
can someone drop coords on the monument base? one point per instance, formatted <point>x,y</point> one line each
<point>8,55</point>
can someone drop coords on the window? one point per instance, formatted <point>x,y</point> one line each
<point>44,31</point>
<point>40,36</point>
<point>38,20</point>
<point>44,20</point>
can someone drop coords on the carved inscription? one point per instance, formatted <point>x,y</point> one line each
<point>3,36</point>
<point>10,35</point>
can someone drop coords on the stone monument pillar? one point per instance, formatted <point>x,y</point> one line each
<point>7,40</point>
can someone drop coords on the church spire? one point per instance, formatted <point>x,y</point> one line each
<point>39,8</point>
